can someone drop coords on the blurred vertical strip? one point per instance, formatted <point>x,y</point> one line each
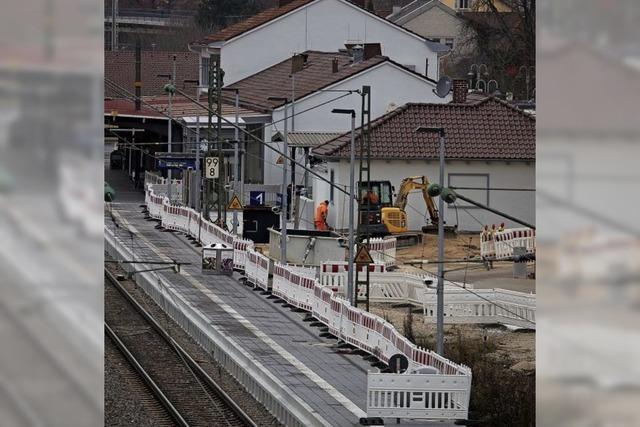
<point>588,177</point>
<point>51,216</point>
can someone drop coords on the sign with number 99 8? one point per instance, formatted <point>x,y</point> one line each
<point>211,169</point>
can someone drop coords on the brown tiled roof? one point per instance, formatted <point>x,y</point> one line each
<point>181,107</point>
<point>253,22</point>
<point>307,138</point>
<point>486,130</point>
<point>268,15</point>
<point>275,81</point>
<point>120,67</point>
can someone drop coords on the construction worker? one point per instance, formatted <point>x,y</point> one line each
<point>372,197</point>
<point>322,212</point>
<point>501,228</point>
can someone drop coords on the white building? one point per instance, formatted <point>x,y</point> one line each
<point>327,80</point>
<point>490,152</point>
<point>301,25</point>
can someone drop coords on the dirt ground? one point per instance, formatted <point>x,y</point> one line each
<point>518,346</point>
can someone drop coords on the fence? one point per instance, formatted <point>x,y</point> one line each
<point>299,287</point>
<point>383,251</point>
<point>500,244</point>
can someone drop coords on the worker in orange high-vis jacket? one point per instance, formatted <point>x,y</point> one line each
<point>322,212</point>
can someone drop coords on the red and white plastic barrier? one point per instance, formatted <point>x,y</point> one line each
<point>240,248</point>
<point>383,251</point>
<point>257,269</point>
<point>500,244</point>
<point>300,288</point>
<point>334,273</point>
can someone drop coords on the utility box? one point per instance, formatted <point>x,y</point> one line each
<point>308,247</point>
<point>217,259</point>
<point>256,222</point>
<point>519,267</point>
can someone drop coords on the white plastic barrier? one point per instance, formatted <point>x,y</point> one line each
<point>257,269</point>
<point>500,244</point>
<point>240,248</point>
<point>483,306</point>
<point>383,251</point>
<point>334,273</point>
<point>299,287</point>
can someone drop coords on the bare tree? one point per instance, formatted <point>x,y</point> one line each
<point>502,35</point>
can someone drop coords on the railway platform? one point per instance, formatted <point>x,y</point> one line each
<point>322,375</point>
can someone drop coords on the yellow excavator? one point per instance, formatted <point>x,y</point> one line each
<point>385,217</point>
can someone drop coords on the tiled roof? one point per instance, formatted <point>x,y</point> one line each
<point>486,130</point>
<point>268,15</point>
<point>181,107</point>
<point>253,22</point>
<point>275,81</point>
<point>120,67</point>
<point>307,139</point>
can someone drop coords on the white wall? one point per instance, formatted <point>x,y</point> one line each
<point>501,175</point>
<point>389,84</point>
<point>406,87</point>
<point>324,25</point>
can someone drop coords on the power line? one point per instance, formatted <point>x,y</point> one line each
<point>222,118</point>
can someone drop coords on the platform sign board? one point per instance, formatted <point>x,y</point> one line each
<point>363,256</point>
<point>398,363</point>
<point>234,204</point>
<point>257,198</point>
<point>211,169</point>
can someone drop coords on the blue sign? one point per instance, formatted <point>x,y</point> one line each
<point>257,198</point>
<point>176,163</point>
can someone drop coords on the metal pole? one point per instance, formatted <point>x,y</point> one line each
<point>352,175</point>
<point>235,161</point>
<point>198,180</point>
<point>283,213</point>
<point>114,29</point>
<point>170,125</point>
<point>440,289</point>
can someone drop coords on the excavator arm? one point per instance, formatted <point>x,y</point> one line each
<point>413,183</point>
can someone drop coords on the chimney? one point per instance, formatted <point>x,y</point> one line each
<point>460,90</point>
<point>334,65</point>
<point>396,9</point>
<point>371,50</point>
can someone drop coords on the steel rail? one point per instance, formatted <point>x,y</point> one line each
<point>162,398</point>
<point>192,364</point>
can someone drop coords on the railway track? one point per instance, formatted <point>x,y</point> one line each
<point>187,393</point>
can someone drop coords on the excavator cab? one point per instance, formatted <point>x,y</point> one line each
<point>372,202</point>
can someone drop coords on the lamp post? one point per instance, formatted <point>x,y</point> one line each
<point>283,213</point>
<point>236,156</point>
<point>440,288</point>
<point>350,273</point>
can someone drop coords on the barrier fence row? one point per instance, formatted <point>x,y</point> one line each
<point>500,244</point>
<point>299,287</point>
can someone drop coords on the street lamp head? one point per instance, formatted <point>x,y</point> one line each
<point>351,112</point>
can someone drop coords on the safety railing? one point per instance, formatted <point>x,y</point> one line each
<point>334,274</point>
<point>240,249</point>
<point>257,269</point>
<point>500,244</point>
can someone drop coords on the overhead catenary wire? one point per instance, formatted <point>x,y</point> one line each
<point>244,131</point>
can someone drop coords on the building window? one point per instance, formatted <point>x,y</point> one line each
<point>448,42</point>
<point>463,4</point>
<point>204,71</point>
<point>472,185</point>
